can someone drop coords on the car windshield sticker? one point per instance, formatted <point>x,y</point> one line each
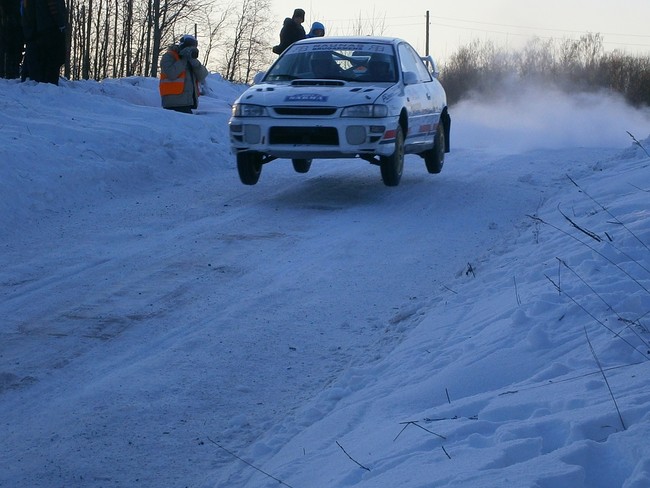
<point>306,97</point>
<point>342,46</point>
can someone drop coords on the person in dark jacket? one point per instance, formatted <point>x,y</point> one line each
<point>11,39</point>
<point>44,26</point>
<point>292,31</point>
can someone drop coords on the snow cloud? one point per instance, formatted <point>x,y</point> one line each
<point>538,117</point>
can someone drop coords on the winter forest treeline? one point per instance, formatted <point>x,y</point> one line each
<point>119,38</point>
<point>573,65</point>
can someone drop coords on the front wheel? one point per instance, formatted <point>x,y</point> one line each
<point>392,166</point>
<point>434,158</point>
<point>301,165</point>
<point>249,166</point>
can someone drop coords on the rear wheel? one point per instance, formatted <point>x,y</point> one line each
<point>392,166</point>
<point>249,166</point>
<point>434,158</point>
<point>301,165</point>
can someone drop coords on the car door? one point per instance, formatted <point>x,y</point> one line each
<point>417,79</point>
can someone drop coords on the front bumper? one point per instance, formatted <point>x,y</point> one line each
<point>296,138</point>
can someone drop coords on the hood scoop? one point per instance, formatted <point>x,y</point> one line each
<point>317,82</point>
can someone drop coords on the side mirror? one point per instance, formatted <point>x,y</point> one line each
<point>410,78</point>
<point>431,66</point>
<point>259,76</point>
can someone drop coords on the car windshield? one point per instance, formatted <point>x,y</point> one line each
<point>363,62</point>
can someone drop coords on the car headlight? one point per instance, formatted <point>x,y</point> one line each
<point>248,110</point>
<point>369,110</point>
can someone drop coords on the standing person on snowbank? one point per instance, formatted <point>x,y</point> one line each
<point>180,75</point>
<point>292,31</point>
<point>11,39</point>
<point>44,27</point>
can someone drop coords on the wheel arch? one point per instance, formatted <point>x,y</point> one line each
<point>445,120</point>
<point>404,121</point>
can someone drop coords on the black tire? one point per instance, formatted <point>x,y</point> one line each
<point>301,165</point>
<point>249,166</point>
<point>434,158</point>
<point>392,166</point>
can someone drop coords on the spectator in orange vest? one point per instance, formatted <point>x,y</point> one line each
<point>180,75</point>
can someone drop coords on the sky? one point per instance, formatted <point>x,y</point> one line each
<point>163,324</point>
<point>508,23</point>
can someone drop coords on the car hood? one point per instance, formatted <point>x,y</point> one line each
<point>314,93</point>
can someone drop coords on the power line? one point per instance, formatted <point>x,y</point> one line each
<point>520,34</point>
<point>510,33</point>
<point>534,28</point>
<point>419,18</point>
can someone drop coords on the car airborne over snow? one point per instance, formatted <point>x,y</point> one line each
<point>343,97</point>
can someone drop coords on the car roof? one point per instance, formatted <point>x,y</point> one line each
<point>365,39</point>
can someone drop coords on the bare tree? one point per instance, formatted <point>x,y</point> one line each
<point>86,12</point>
<point>214,33</point>
<point>127,46</point>
<point>124,37</point>
<point>373,24</point>
<point>247,52</point>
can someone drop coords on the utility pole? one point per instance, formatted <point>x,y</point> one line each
<point>426,42</point>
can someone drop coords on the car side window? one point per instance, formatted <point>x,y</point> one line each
<point>410,61</point>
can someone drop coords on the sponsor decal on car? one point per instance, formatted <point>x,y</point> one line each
<point>342,46</point>
<point>306,97</point>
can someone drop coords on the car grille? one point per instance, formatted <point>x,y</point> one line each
<point>305,111</point>
<point>324,136</point>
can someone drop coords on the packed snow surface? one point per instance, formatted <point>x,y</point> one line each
<point>163,325</point>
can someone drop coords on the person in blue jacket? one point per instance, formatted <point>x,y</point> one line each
<point>317,30</point>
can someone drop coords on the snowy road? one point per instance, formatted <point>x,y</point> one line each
<point>147,315</point>
<point>233,304</point>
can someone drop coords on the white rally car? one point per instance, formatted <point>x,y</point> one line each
<point>343,97</point>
